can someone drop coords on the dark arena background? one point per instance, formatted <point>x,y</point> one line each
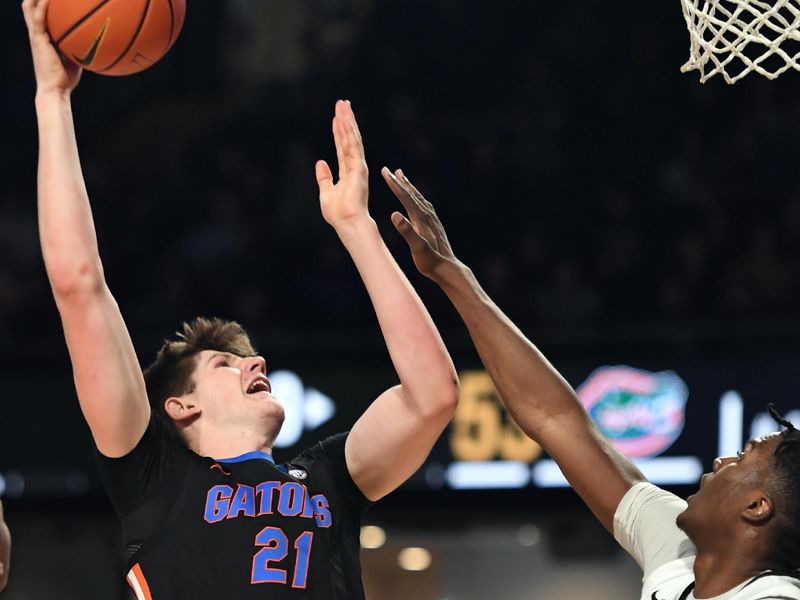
<point>628,218</point>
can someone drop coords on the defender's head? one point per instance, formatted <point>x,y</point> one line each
<point>209,381</point>
<point>755,497</point>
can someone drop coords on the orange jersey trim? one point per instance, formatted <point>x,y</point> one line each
<point>139,584</point>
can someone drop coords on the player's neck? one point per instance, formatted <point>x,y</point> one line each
<point>230,444</point>
<point>721,570</point>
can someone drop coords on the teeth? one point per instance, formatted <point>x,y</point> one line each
<point>258,386</point>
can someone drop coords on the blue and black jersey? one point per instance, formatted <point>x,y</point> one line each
<point>243,527</point>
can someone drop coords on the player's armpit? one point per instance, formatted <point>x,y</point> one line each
<point>393,438</point>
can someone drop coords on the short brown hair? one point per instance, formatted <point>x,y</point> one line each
<point>170,374</point>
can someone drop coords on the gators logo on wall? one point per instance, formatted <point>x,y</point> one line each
<point>640,412</point>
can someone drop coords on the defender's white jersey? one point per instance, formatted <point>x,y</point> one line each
<point>644,524</point>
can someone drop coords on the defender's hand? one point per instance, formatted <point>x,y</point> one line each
<point>424,233</point>
<point>54,73</point>
<point>346,200</point>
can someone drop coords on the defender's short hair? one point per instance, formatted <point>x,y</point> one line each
<point>170,374</point>
<point>786,485</point>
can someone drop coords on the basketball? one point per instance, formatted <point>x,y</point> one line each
<point>115,37</point>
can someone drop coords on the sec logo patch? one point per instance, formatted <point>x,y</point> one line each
<point>298,473</point>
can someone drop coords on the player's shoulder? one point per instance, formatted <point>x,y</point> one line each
<point>323,467</point>
<point>646,492</point>
<point>645,502</point>
<point>329,448</point>
<point>322,464</point>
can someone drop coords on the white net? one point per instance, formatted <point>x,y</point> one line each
<point>737,37</point>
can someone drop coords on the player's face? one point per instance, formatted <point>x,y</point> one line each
<point>727,491</point>
<point>234,390</point>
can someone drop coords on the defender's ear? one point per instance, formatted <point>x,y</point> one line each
<point>181,409</point>
<point>759,509</point>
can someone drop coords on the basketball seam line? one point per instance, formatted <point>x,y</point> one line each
<point>170,41</point>
<point>133,39</point>
<point>81,21</point>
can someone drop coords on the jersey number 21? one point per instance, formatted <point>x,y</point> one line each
<point>275,549</point>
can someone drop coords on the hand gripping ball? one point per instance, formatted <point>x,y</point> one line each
<point>115,37</point>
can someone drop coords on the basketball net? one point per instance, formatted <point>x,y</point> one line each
<point>736,37</point>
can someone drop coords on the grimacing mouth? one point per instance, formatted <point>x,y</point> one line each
<point>259,384</point>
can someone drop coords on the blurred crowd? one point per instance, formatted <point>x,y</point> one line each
<point>578,172</point>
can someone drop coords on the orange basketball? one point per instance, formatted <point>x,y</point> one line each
<point>115,37</point>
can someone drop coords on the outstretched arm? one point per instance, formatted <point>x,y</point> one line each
<point>395,434</point>
<point>540,401</point>
<point>5,550</point>
<point>107,374</point>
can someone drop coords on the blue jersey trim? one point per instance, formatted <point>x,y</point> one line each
<point>257,455</point>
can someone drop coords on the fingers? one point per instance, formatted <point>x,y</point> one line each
<point>398,189</point>
<point>414,203</point>
<point>347,140</point>
<point>415,241</point>
<point>423,202</point>
<point>35,12</point>
<point>339,140</point>
<point>27,12</point>
<point>347,135</point>
<point>416,192</point>
<point>40,12</point>
<point>324,176</point>
<point>356,143</point>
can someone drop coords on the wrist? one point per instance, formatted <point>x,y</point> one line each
<point>46,96</point>
<point>354,227</point>
<point>450,273</point>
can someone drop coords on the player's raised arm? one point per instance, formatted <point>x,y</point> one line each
<point>107,374</point>
<point>395,434</point>
<point>538,398</point>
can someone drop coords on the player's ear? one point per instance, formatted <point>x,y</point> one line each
<point>759,508</point>
<point>181,408</point>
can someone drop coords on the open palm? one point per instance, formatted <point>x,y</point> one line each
<point>346,199</point>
